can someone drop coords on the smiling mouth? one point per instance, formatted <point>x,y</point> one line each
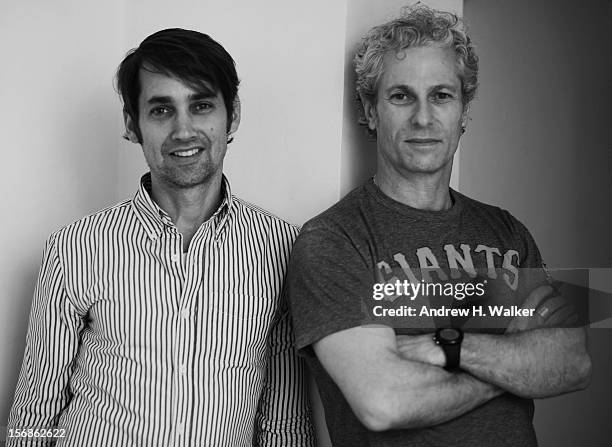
<point>187,152</point>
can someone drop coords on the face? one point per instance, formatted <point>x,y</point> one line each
<point>418,112</point>
<point>184,131</point>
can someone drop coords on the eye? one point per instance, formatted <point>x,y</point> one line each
<point>442,97</point>
<point>202,107</point>
<point>160,111</point>
<point>399,98</point>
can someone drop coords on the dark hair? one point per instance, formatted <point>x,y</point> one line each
<point>193,57</point>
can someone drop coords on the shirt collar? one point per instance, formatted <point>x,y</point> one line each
<point>155,220</point>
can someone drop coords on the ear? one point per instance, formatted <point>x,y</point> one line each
<point>465,116</point>
<point>233,127</point>
<point>130,128</point>
<point>369,110</point>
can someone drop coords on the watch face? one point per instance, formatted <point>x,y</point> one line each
<point>450,335</point>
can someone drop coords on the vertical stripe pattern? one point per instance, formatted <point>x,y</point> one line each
<point>133,343</point>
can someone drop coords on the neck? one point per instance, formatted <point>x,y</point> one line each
<point>421,191</point>
<point>188,208</point>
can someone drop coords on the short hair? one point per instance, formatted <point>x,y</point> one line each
<point>193,57</point>
<point>417,25</point>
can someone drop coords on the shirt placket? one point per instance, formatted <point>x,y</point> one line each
<point>185,348</point>
<point>180,354</point>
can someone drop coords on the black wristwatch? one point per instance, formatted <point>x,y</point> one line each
<point>450,340</point>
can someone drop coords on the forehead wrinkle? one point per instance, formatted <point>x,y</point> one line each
<point>430,70</point>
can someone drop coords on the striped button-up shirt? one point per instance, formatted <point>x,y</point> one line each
<point>131,342</point>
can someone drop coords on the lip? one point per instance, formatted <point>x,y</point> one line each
<point>423,141</point>
<point>176,152</point>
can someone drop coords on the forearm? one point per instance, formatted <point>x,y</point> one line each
<point>389,383</point>
<point>432,396</point>
<point>532,364</point>
<point>397,391</point>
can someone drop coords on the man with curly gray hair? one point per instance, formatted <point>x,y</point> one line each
<point>412,379</point>
<point>419,27</point>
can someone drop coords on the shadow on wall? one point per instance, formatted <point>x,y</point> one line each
<point>358,149</point>
<point>539,146</point>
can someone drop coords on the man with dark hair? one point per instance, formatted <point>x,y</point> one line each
<point>411,379</point>
<point>162,320</point>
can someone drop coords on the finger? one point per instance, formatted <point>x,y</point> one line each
<point>402,340</point>
<point>550,306</point>
<point>537,296</point>
<point>563,317</point>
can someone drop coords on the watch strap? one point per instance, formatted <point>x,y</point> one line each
<point>453,354</point>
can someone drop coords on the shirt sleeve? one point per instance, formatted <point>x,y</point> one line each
<point>531,265</point>
<point>329,282</point>
<point>284,416</point>
<point>52,342</point>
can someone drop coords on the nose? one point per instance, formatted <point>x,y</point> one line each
<point>422,114</point>
<point>183,127</point>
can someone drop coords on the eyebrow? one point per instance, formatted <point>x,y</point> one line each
<point>159,100</point>
<point>203,95</point>
<point>432,88</point>
<point>194,97</point>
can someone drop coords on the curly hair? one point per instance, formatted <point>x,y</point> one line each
<point>417,25</point>
<point>191,56</point>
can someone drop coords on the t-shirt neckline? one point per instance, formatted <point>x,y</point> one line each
<point>440,216</point>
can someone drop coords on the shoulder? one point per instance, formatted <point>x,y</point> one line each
<point>341,217</point>
<point>261,221</point>
<point>489,218</point>
<point>112,217</point>
<point>493,214</point>
<point>338,234</point>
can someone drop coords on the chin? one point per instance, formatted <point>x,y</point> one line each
<point>423,166</point>
<point>184,182</point>
<point>423,170</point>
<point>190,183</point>
<point>427,165</point>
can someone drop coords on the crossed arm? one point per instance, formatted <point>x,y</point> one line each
<point>398,382</point>
<point>386,390</point>
<point>533,364</point>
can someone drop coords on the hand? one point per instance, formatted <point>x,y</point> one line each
<point>550,310</point>
<point>420,348</point>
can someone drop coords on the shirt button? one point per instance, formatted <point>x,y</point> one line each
<point>185,314</point>
<point>180,428</point>
<point>182,369</point>
<point>174,257</point>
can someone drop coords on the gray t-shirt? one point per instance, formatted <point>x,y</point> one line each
<point>368,237</point>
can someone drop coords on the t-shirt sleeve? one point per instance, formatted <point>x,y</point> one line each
<point>327,282</point>
<point>531,266</point>
<point>531,257</point>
